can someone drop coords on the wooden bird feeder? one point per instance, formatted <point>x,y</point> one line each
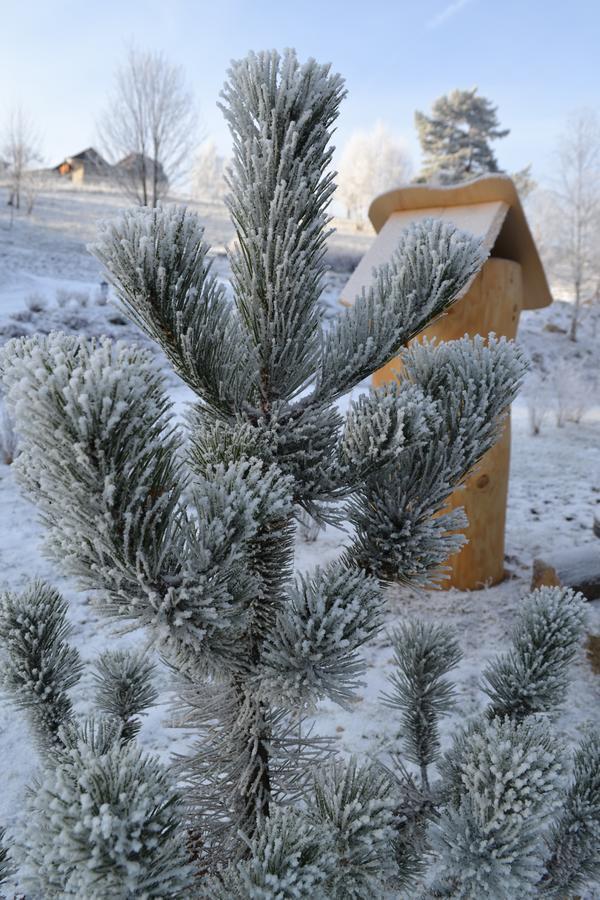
<point>510,280</point>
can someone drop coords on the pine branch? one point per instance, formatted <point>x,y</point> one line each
<point>500,783</point>
<point>113,828</point>
<point>415,810</point>
<point>305,440</point>
<point>473,381</point>
<point>423,654</point>
<point>280,115</point>
<point>228,783</point>
<point>380,426</point>
<point>432,265</point>
<point>312,651</point>
<point>101,461</point>
<point>124,688</point>
<point>402,531</point>
<point>356,806</point>
<point>245,511</point>
<point>290,857</point>
<point>40,667</point>
<point>157,260</point>
<point>533,676</point>
<point>574,842</point>
<point>300,439</point>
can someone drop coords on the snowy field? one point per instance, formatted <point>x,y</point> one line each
<point>554,488</point>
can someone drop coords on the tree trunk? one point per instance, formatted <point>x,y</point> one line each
<point>254,800</point>
<point>578,569</point>
<point>575,316</point>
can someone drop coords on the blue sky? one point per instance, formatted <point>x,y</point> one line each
<point>536,59</point>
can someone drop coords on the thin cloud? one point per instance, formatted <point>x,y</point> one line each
<point>448,13</point>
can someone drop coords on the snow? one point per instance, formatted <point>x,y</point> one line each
<point>554,493</point>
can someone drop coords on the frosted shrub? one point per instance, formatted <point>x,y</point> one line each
<point>572,395</point>
<point>36,302</point>
<point>495,816</point>
<point>537,393</point>
<point>189,533</point>
<point>69,298</point>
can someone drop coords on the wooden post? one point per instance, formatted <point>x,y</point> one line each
<point>512,279</point>
<point>493,303</point>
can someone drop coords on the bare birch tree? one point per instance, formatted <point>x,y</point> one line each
<point>208,175</point>
<point>20,149</point>
<point>578,203</point>
<point>372,162</point>
<point>148,129</point>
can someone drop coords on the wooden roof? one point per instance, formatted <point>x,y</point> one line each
<point>488,207</point>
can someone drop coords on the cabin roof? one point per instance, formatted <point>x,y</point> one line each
<point>89,156</point>
<point>488,207</point>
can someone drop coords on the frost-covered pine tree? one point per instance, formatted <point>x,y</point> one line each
<point>188,532</point>
<point>455,138</point>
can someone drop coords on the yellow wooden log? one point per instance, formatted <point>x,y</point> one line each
<point>492,304</point>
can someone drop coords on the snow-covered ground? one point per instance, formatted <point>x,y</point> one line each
<point>554,488</point>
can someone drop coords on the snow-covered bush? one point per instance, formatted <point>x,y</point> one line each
<point>69,298</point>
<point>502,819</point>
<point>190,534</point>
<point>36,302</point>
<point>572,394</point>
<point>538,399</point>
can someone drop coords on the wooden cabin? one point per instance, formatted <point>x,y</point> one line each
<point>136,165</point>
<point>85,166</point>
<point>512,279</point>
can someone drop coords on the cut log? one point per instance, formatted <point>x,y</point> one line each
<point>578,569</point>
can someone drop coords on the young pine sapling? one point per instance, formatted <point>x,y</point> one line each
<point>189,532</point>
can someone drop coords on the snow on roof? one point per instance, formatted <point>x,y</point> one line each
<point>488,207</point>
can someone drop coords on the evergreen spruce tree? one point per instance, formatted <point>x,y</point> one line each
<point>455,138</point>
<point>190,534</point>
